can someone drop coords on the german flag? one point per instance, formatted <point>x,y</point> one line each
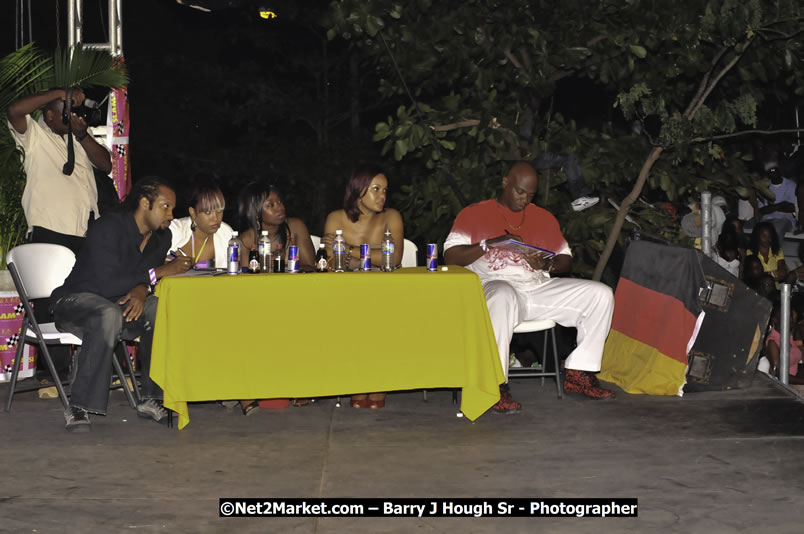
<point>657,315</point>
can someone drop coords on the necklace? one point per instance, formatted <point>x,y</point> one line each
<point>192,249</point>
<point>512,227</point>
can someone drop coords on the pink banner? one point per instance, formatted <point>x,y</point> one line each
<point>118,125</point>
<point>11,313</point>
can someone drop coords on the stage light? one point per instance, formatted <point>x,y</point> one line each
<point>266,13</point>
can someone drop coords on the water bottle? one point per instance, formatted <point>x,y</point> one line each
<point>233,251</point>
<point>264,253</point>
<point>321,264</point>
<point>387,252</point>
<point>339,253</point>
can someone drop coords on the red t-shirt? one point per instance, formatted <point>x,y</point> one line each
<point>489,219</point>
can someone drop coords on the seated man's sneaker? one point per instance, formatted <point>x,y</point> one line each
<point>153,409</point>
<point>506,404</point>
<point>586,384</point>
<point>76,419</point>
<point>581,203</point>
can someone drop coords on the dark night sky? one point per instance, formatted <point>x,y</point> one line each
<point>180,60</point>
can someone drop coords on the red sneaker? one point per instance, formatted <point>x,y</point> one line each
<point>586,384</point>
<point>506,404</point>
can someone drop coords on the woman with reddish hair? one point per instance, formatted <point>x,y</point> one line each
<point>364,219</point>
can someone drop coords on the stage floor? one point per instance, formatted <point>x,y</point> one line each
<point>707,462</point>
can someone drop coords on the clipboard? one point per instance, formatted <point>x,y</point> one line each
<point>519,247</point>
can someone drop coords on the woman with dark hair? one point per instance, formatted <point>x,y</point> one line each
<point>203,236</point>
<point>364,217</point>
<point>261,208</point>
<point>764,244</point>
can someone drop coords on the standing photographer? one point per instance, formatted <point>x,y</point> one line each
<point>58,203</point>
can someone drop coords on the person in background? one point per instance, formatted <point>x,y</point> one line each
<point>780,212</point>
<point>728,255</point>
<point>765,245</point>
<point>203,236</point>
<point>751,271</point>
<point>770,362</point>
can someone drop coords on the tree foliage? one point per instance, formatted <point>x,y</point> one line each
<point>637,89</point>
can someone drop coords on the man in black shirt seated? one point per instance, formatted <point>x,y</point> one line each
<point>107,297</point>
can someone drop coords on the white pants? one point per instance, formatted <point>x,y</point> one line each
<point>583,304</point>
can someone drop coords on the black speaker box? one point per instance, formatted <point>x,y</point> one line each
<point>730,339</point>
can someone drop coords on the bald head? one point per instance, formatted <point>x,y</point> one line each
<point>52,115</point>
<point>519,186</point>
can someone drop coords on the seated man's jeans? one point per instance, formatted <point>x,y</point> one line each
<point>99,323</point>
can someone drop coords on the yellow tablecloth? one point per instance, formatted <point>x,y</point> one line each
<point>322,334</point>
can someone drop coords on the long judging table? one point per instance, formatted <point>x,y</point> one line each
<point>323,334</point>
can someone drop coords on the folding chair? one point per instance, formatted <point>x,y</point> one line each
<point>549,328</point>
<point>526,327</point>
<point>37,269</point>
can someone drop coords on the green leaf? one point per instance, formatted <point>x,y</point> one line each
<point>638,51</point>
<point>87,67</point>
<point>373,25</point>
<point>449,145</point>
<point>400,149</point>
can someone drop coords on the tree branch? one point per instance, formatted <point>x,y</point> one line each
<point>717,79</point>
<point>512,59</point>
<point>746,132</point>
<point>455,125</point>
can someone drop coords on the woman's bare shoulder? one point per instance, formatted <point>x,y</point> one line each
<point>392,214</point>
<point>336,217</point>
<point>296,224</point>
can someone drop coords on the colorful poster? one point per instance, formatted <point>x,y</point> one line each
<point>11,313</point>
<point>117,130</point>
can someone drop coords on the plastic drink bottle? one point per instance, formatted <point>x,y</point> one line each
<point>264,252</point>
<point>387,252</point>
<point>339,253</point>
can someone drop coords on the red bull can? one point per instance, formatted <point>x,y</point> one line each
<point>293,259</point>
<point>365,257</point>
<point>432,257</point>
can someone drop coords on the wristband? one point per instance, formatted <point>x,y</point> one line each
<point>483,245</point>
<point>152,275</point>
<point>82,137</point>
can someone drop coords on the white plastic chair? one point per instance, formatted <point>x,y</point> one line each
<point>37,269</point>
<point>409,254</point>
<point>548,326</point>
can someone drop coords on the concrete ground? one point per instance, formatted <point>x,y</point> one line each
<point>716,462</point>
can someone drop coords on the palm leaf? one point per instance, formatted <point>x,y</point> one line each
<point>22,72</point>
<point>88,67</point>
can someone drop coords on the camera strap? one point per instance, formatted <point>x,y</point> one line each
<point>67,119</point>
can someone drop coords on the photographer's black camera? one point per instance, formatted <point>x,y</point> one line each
<point>91,115</point>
